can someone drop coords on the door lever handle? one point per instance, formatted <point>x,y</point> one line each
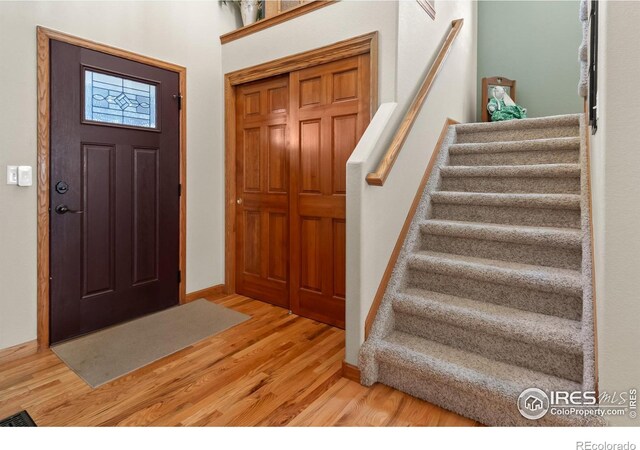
<point>63,209</point>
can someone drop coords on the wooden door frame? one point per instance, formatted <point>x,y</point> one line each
<point>359,45</point>
<point>44,37</point>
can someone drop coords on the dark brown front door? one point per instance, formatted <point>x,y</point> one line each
<point>294,135</point>
<point>114,173</point>
<point>262,177</point>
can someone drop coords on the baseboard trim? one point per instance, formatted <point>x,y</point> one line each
<point>350,372</point>
<point>18,351</point>
<point>386,277</point>
<point>211,291</point>
<point>594,306</point>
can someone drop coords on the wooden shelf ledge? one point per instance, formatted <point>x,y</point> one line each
<point>275,20</point>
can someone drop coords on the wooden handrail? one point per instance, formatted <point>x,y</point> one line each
<point>378,177</point>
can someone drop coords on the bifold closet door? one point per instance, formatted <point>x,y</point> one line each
<point>262,204</point>
<point>329,111</point>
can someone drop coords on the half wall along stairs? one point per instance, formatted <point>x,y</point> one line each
<point>492,293</point>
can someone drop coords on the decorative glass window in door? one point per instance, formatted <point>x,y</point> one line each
<point>115,100</point>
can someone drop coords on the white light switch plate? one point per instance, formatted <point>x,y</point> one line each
<point>12,174</point>
<point>25,177</point>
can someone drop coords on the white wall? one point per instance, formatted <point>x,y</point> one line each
<point>180,32</point>
<point>375,214</point>
<point>340,21</point>
<point>615,171</point>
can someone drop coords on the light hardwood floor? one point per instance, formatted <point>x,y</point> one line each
<point>275,369</point>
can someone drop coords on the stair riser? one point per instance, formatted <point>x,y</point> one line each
<point>506,349</point>
<point>518,185</point>
<point>542,217</point>
<point>550,256</point>
<point>553,304</point>
<point>518,135</point>
<point>439,336</point>
<point>478,404</point>
<point>515,158</point>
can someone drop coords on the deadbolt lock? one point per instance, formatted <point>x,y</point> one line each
<point>62,187</point>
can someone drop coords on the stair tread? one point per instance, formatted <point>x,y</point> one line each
<point>471,333</point>
<point>565,120</point>
<point>559,143</point>
<point>551,201</point>
<point>549,236</point>
<point>503,272</point>
<point>530,327</point>
<point>446,363</point>
<point>504,171</point>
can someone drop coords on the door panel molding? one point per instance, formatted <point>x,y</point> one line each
<point>44,37</point>
<point>359,45</point>
<point>262,186</point>
<point>149,188</point>
<point>318,156</point>
<point>98,283</point>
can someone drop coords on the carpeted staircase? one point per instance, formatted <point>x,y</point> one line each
<point>491,293</point>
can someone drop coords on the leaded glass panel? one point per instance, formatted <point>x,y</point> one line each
<point>115,100</point>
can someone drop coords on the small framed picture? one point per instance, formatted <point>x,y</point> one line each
<point>487,92</point>
<point>429,6</point>
<point>490,88</point>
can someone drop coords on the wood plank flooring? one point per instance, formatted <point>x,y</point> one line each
<point>275,369</point>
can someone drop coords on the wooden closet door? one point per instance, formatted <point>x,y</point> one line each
<point>262,204</point>
<point>329,111</point>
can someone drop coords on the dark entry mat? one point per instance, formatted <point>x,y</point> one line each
<point>22,419</point>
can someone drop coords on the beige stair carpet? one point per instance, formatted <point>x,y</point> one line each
<point>108,354</point>
<point>491,293</point>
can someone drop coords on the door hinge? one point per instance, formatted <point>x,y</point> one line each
<point>178,98</point>
<point>179,276</point>
<point>180,190</point>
